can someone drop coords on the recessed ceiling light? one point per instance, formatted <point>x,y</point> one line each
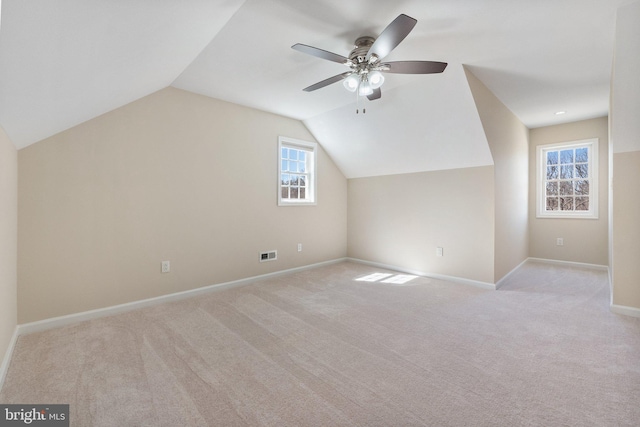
<point>559,113</point>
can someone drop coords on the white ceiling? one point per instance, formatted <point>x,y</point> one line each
<point>66,61</point>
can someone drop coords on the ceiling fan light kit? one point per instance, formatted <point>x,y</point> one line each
<point>352,82</point>
<point>376,79</point>
<point>365,61</point>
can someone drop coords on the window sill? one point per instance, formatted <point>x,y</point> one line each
<point>282,203</point>
<point>567,216</point>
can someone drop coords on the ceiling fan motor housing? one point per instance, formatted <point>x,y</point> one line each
<point>361,48</point>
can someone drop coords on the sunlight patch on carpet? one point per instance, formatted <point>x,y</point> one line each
<point>398,279</point>
<point>374,277</point>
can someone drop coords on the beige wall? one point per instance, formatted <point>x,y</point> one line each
<point>173,176</point>
<point>508,140</point>
<point>399,220</point>
<point>8,241</point>
<point>585,240</point>
<point>626,229</point>
<point>625,139</point>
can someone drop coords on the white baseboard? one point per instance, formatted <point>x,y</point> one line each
<point>55,322</point>
<point>7,357</point>
<point>570,263</point>
<point>627,311</point>
<point>618,309</point>
<point>506,276</point>
<point>460,280</point>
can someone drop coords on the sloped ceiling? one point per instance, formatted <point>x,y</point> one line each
<point>430,125</point>
<point>66,61</point>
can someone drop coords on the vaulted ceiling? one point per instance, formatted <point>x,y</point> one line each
<point>64,62</point>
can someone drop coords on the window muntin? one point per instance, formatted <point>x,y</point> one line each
<point>296,172</point>
<point>567,180</point>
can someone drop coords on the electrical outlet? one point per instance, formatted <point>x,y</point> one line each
<point>560,241</point>
<point>166,266</point>
<point>299,247</point>
<point>439,252</point>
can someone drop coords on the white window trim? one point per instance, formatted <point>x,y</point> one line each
<point>311,147</point>
<point>541,173</point>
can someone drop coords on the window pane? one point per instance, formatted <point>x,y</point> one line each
<point>567,179</point>
<point>566,156</point>
<point>566,172</point>
<point>582,187</point>
<point>582,155</point>
<point>566,203</point>
<point>582,171</point>
<point>582,203</point>
<point>566,188</point>
<point>297,172</point>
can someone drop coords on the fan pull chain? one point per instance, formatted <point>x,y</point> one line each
<point>364,110</point>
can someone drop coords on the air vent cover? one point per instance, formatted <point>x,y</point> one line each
<point>268,256</point>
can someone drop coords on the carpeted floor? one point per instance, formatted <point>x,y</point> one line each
<point>319,348</point>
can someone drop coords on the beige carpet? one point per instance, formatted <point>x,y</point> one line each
<point>318,348</point>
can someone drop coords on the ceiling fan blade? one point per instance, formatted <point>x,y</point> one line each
<point>414,67</point>
<point>319,53</point>
<point>391,36</point>
<point>327,82</point>
<point>377,93</point>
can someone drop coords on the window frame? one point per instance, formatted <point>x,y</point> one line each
<point>541,174</point>
<point>312,149</point>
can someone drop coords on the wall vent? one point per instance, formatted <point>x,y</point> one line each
<point>268,256</point>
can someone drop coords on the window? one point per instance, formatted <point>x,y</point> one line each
<point>296,172</point>
<point>567,180</point>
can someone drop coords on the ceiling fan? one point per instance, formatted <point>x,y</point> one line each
<point>366,60</point>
